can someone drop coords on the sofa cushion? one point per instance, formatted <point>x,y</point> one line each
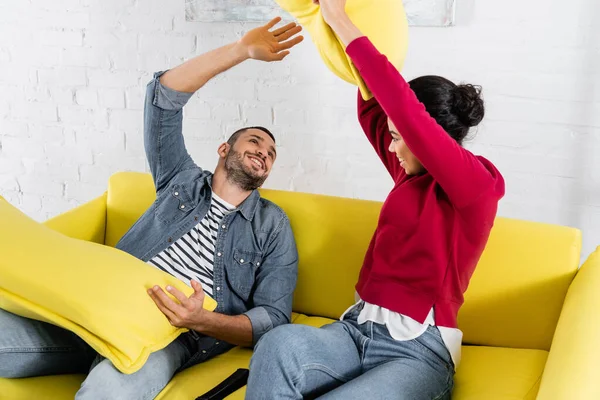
<point>82,286</point>
<point>385,25</point>
<point>201,378</point>
<point>494,373</point>
<point>485,373</point>
<point>58,387</point>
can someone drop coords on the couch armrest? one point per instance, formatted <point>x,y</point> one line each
<point>86,222</point>
<point>571,371</point>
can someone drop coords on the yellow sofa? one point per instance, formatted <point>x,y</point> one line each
<point>530,320</point>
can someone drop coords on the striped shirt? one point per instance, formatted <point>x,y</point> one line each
<point>192,256</point>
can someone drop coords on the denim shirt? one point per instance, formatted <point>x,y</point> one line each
<point>256,261</point>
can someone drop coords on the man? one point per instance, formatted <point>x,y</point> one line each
<point>212,231</point>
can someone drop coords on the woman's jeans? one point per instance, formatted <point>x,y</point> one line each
<point>345,360</point>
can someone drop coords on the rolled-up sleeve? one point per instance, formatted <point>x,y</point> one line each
<point>167,98</point>
<point>275,283</point>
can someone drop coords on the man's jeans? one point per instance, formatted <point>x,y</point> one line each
<point>31,348</point>
<point>345,360</point>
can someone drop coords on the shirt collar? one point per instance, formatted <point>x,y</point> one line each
<point>248,206</point>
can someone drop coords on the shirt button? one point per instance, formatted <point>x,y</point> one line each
<point>219,254</point>
<point>218,288</point>
<point>223,226</point>
<point>195,218</point>
<point>216,342</point>
<point>182,206</point>
<point>203,351</point>
<point>170,240</point>
<point>242,260</point>
<point>176,193</point>
<point>257,263</point>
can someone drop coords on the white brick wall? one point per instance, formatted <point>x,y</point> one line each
<point>73,73</point>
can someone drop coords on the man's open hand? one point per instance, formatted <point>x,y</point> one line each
<point>183,313</point>
<point>265,44</point>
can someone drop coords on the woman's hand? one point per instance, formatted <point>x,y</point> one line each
<point>332,10</point>
<point>266,45</point>
<point>334,14</point>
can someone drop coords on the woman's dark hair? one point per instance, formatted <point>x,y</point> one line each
<point>455,107</point>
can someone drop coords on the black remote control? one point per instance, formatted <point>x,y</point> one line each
<point>235,381</point>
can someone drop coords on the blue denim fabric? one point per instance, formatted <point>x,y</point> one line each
<point>256,263</point>
<point>346,360</point>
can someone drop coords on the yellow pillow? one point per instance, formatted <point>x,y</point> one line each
<point>382,21</point>
<point>95,291</point>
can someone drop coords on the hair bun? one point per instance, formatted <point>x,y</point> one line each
<point>469,105</point>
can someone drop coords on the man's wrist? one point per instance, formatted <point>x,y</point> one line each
<point>204,321</point>
<point>240,52</point>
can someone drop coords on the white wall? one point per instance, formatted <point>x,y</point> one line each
<point>72,75</point>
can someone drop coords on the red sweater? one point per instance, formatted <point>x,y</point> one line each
<point>433,227</point>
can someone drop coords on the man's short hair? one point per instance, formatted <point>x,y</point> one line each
<point>234,137</point>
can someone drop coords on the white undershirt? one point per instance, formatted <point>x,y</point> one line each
<point>403,327</point>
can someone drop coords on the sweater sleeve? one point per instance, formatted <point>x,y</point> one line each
<point>373,120</point>
<point>460,174</point>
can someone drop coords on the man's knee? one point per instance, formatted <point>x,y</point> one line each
<point>12,361</point>
<point>10,367</point>
<point>8,324</point>
<point>105,382</point>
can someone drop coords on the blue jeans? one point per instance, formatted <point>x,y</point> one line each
<point>345,360</point>
<point>32,348</point>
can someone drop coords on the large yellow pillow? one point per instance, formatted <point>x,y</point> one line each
<point>383,21</point>
<point>96,291</point>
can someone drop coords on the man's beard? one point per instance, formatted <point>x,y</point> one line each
<point>239,174</point>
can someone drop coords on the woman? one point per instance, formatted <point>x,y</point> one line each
<point>400,341</point>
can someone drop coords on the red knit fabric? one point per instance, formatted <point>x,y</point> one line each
<point>433,227</point>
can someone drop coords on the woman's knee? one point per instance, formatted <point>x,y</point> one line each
<point>286,343</point>
<point>286,337</point>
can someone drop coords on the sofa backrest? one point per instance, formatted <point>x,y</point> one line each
<point>514,298</point>
<point>518,289</point>
<point>129,196</point>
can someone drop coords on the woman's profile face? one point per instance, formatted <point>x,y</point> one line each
<point>406,158</point>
